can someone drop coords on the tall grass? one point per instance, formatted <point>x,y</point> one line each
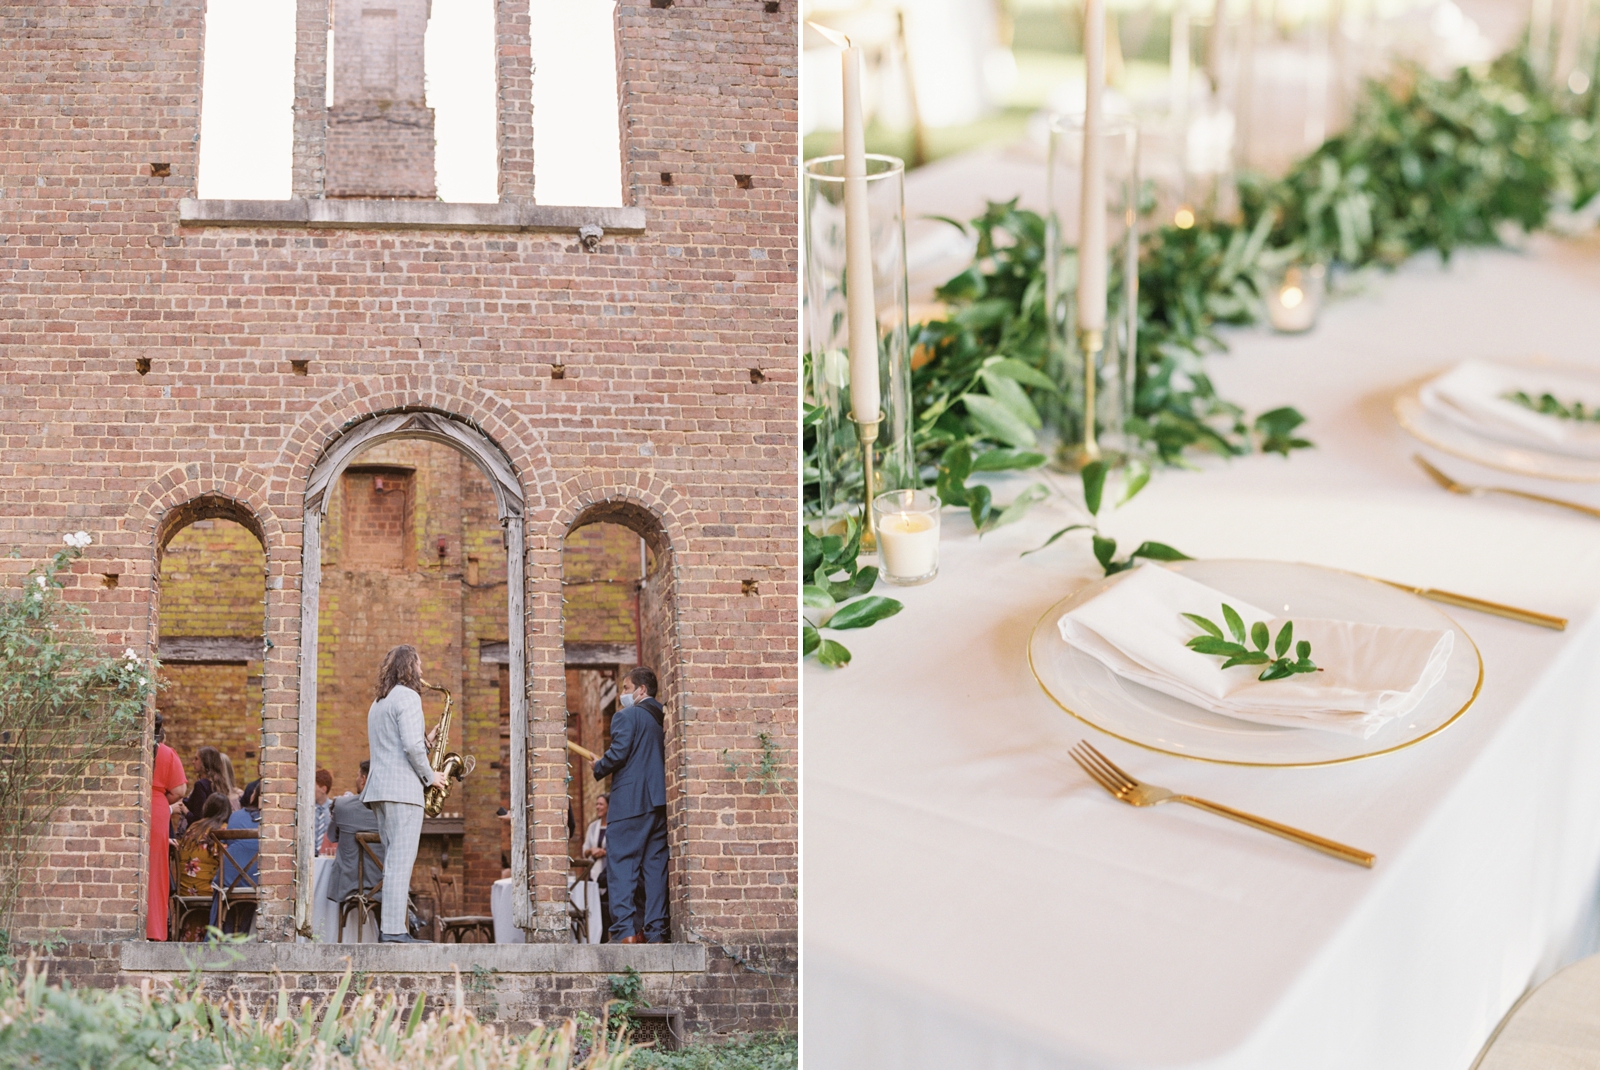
<point>49,1027</point>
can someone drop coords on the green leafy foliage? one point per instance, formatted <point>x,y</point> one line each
<point>66,706</point>
<point>1549,406</point>
<point>1093,477</point>
<point>1267,651</point>
<point>837,594</point>
<point>60,1028</point>
<point>764,1051</point>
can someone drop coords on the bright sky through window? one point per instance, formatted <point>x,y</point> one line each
<point>246,124</point>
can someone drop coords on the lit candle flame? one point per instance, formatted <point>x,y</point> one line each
<point>1291,296</point>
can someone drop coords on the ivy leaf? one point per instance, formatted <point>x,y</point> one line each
<point>979,499</point>
<point>1259,635</point>
<point>1035,494</point>
<point>1235,623</point>
<point>1206,644</point>
<point>1009,393</point>
<point>810,639</point>
<point>833,654</point>
<point>999,460</point>
<point>1201,622</point>
<point>1159,551</point>
<point>1012,368</point>
<point>994,419</point>
<point>864,613</point>
<point>1094,484</point>
<point>1138,476</point>
<point>1053,538</point>
<point>1104,550</point>
<point>1285,637</point>
<point>816,598</point>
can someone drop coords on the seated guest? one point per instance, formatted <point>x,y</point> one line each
<point>324,809</point>
<point>348,816</point>
<point>242,853</point>
<point>197,858</point>
<point>230,784</point>
<point>594,846</point>
<point>211,780</point>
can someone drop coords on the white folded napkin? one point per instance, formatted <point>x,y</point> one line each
<point>1472,395</point>
<point>1370,674</point>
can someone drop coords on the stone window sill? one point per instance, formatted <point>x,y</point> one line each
<point>141,956</point>
<point>407,215</point>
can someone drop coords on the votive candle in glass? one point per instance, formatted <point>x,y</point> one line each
<point>1295,298</point>
<point>908,536</point>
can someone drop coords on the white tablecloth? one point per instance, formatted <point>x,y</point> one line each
<point>325,912</point>
<point>581,893</point>
<point>936,771</point>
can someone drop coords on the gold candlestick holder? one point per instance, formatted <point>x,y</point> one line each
<point>1075,456</point>
<point>867,435</point>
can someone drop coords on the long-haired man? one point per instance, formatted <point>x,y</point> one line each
<point>398,752</point>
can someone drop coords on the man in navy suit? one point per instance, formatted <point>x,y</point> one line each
<point>636,829</point>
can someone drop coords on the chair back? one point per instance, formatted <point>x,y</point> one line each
<point>226,838</point>
<point>449,901</point>
<point>366,856</point>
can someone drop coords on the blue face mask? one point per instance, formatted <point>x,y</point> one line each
<point>625,700</point>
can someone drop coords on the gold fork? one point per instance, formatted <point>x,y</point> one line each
<point>1477,492</point>
<point>1124,787</point>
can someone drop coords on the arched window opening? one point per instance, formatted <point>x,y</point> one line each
<point>414,553</point>
<point>615,570</point>
<point>211,618</point>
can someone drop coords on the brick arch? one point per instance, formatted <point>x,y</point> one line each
<point>646,503</point>
<point>330,418</point>
<point>205,490</point>
<point>637,500</point>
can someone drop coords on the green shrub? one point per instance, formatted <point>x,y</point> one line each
<point>46,1027</point>
<point>761,1051</point>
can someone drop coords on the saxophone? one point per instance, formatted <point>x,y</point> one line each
<point>451,764</point>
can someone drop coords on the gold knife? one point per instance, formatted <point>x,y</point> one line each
<point>1526,616</point>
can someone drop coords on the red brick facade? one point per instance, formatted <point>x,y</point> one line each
<point>154,373</point>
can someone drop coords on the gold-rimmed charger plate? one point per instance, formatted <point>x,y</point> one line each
<point>1442,434</point>
<point>1136,714</point>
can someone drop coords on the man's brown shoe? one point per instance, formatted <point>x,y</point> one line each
<point>636,938</point>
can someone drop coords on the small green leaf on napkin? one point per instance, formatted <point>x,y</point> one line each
<point>1547,405</point>
<point>1213,644</point>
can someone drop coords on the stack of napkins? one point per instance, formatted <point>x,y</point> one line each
<point>1472,395</point>
<point>1370,675</point>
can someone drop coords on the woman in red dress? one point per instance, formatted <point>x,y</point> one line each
<point>167,786</point>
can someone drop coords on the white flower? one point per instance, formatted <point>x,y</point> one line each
<point>130,655</point>
<point>40,580</point>
<point>78,540</point>
<point>143,681</point>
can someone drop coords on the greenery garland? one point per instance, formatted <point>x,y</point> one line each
<point>1427,163</point>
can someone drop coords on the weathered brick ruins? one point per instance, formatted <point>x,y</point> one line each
<point>290,424</point>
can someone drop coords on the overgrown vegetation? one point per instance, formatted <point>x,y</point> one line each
<point>44,1027</point>
<point>765,1051</point>
<point>67,708</point>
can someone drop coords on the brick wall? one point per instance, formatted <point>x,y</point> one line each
<point>380,129</point>
<point>657,413</point>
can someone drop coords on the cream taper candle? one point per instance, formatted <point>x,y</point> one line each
<point>861,308</point>
<point>1092,229</point>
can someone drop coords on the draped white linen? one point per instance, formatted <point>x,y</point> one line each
<point>972,900</point>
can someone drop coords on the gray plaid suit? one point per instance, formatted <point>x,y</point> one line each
<point>398,750</point>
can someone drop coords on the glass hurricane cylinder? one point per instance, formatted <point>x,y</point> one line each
<point>1109,404</point>
<point>838,457</point>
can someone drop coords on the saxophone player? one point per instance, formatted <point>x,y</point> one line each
<point>398,749</point>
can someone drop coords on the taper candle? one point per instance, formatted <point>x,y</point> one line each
<point>861,308</point>
<point>1092,220</point>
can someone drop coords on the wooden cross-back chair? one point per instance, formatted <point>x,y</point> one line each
<point>447,924</point>
<point>182,907</point>
<point>244,888</point>
<point>367,901</point>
